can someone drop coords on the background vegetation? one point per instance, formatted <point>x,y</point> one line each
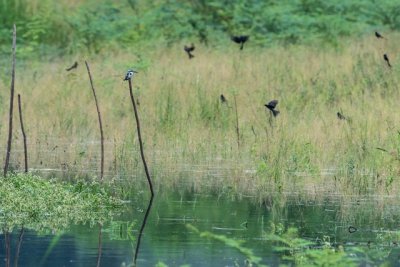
<point>68,27</point>
<point>316,57</point>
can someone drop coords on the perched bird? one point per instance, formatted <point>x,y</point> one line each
<point>271,106</point>
<point>129,75</point>
<point>222,98</point>
<point>386,58</point>
<point>188,50</point>
<point>241,39</point>
<point>379,36</point>
<point>73,66</point>
<point>340,116</point>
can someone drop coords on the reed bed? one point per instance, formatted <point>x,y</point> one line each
<point>190,135</point>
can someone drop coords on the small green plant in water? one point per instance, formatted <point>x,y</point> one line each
<point>47,205</point>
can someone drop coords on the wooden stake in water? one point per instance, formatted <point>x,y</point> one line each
<point>23,132</point>
<point>140,138</point>
<point>100,124</point>
<point>10,123</point>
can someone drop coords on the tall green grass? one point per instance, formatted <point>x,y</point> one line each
<point>190,136</point>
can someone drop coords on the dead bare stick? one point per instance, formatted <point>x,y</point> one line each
<point>140,139</point>
<point>11,102</point>
<point>23,132</point>
<point>100,124</point>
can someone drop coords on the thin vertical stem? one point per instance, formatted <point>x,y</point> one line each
<point>23,132</point>
<point>140,139</point>
<point>14,44</point>
<point>100,124</point>
<point>237,123</point>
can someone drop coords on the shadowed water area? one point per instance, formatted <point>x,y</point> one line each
<point>365,225</point>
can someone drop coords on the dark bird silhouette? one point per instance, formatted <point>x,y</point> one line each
<point>222,98</point>
<point>386,58</point>
<point>189,50</point>
<point>241,39</point>
<point>379,36</point>
<point>340,116</point>
<point>271,106</point>
<point>73,66</point>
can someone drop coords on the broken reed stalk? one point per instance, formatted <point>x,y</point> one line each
<point>23,133</point>
<point>237,122</point>
<point>100,124</point>
<point>11,102</point>
<point>140,139</point>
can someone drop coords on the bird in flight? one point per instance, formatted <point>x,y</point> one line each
<point>73,66</point>
<point>129,75</point>
<point>386,58</point>
<point>271,106</point>
<point>241,39</point>
<point>188,50</point>
<point>340,116</point>
<point>379,36</point>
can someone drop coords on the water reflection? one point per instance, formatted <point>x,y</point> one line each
<point>168,240</point>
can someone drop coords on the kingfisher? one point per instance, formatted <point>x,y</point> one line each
<point>129,75</point>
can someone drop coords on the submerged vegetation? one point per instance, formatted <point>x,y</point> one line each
<point>46,205</point>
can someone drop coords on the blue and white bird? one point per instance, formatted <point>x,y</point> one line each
<point>129,75</point>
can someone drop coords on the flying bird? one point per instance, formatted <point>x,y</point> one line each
<point>188,50</point>
<point>241,39</point>
<point>222,98</point>
<point>340,116</point>
<point>386,58</point>
<point>271,106</point>
<point>129,75</point>
<point>379,36</point>
<point>73,66</point>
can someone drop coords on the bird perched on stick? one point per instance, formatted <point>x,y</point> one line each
<point>188,50</point>
<point>386,58</point>
<point>241,39</point>
<point>379,36</point>
<point>73,66</point>
<point>129,75</point>
<point>271,106</point>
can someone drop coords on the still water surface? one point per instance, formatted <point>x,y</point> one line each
<point>167,239</point>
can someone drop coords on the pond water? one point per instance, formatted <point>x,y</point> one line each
<point>364,223</point>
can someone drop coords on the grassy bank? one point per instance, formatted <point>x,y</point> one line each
<point>190,136</point>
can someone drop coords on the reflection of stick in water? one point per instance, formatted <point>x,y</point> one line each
<point>21,234</point>
<point>100,247</point>
<point>142,228</point>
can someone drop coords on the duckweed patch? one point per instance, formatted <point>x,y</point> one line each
<point>44,205</point>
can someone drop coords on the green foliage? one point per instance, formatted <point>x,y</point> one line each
<point>43,205</point>
<point>233,243</point>
<point>90,26</point>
